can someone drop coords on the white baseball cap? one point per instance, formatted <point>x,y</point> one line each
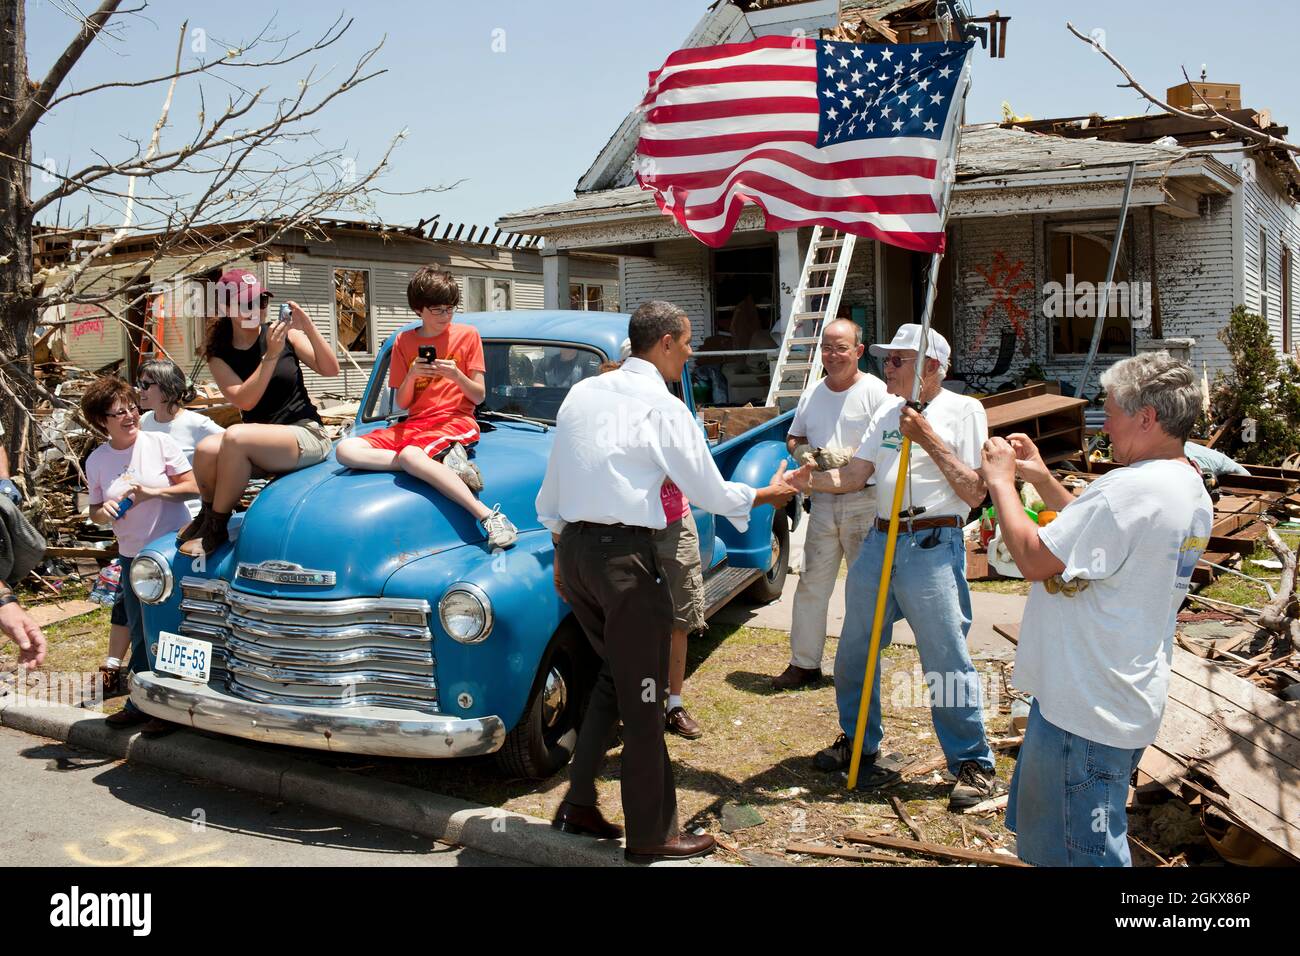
<point>908,339</point>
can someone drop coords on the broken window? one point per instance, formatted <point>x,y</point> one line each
<point>352,309</point>
<point>1078,254</point>
<point>585,297</point>
<point>486,295</point>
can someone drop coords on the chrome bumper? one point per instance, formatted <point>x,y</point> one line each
<point>381,731</point>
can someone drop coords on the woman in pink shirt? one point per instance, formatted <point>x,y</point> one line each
<point>138,482</point>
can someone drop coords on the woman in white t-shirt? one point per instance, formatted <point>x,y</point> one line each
<point>137,482</point>
<point>163,394</point>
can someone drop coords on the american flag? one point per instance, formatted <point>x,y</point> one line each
<point>848,135</point>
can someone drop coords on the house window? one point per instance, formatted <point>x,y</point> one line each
<point>1078,254</point>
<point>1263,273</point>
<point>1287,289</point>
<point>585,297</point>
<point>352,309</point>
<point>486,295</point>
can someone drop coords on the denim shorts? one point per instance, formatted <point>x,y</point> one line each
<point>1067,798</point>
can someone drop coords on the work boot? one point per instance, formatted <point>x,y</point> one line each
<point>794,677</point>
<point>872,775</point>
<point>974,785</point>
<point>214,536</point>
<point>195,528</point>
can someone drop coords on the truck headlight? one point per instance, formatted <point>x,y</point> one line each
<point>151,580</point>
<point>466,613</point>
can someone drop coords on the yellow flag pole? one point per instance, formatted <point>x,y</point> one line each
<point>905,453</point>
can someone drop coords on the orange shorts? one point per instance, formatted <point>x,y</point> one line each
<point>432,435</point>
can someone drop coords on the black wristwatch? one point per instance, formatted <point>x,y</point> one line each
<point>9,598</point>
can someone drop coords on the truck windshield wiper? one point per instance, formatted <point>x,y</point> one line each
<point>510,417</point>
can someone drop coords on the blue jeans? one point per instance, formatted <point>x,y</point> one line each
<point>927,589</point>
<point>1067,798</point>
<point>141,659</point>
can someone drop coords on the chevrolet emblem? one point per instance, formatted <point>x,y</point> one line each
<point>285,572</point>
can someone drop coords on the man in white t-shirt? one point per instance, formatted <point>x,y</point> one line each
<point>928,584</point>
<point>832,417</point>
<point>1097,637</point>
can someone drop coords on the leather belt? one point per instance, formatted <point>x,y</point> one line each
<point>590,527</point>
<point>921,524</point>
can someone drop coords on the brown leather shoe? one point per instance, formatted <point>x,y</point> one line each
<point>571,818</point>
<point>157,727</point>
<point>794,677</point>
<point>127,717</point>
<point>681,847</point>
<point>683,724</point>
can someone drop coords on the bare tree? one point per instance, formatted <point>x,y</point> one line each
<point>1255,136</point>
<point>258,163</point>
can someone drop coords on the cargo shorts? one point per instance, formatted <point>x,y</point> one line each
<point>678,548</point>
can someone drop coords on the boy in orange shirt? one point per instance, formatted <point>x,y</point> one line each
<point>440,395</point>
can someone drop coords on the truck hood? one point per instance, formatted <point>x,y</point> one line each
<point>364,526</point>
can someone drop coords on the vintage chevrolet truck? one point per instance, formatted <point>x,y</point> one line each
<point>362,612</point>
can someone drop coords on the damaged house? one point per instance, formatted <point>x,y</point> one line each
<point>1033,217</point>
<point>349,276</point>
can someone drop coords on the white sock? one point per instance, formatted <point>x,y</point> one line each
<point>674,700</point>
<point>113,662</point>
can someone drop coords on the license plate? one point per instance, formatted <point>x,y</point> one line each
<point>183,656</point>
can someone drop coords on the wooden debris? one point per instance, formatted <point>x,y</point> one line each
<point>992,805</point>
<point>959,854</point>
<point>847,853</point>
<point>906,817</point>
<point>46,614</point>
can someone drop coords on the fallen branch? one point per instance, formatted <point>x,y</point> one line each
<point>993,805</point>
<point>906,817</point>
<point>1276,616</point>
<point>844,853</point>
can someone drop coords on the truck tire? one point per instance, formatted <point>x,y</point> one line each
<point>769,587</point>
<point>542,742</point>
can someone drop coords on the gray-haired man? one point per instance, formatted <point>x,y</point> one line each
<point>1110,573</point>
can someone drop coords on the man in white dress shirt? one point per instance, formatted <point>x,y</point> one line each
<point>618,436</point>
<point>832,416</point>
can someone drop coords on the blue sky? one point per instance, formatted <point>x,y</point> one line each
<point>514,97</point>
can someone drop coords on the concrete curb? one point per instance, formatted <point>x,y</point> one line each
<point>290,779</point>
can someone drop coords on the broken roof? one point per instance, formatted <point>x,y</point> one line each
<point>984,151</point>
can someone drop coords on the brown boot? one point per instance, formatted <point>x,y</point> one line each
<point>795,677</point>
<point>215,534</point>
<point>195,528</point>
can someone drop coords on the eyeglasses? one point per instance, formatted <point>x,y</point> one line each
<point>441,309</point>
<point>835,350</point>
<point>128,410</point>
<point>897,361</point>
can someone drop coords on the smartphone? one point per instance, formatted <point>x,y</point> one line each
<point>286,313</point>
<point>429,353</point>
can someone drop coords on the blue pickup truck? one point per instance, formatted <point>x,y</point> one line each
<point>361,612</point>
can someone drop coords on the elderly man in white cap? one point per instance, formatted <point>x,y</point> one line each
<point>928,585</point>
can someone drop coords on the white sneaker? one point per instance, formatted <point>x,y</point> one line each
<point>500,530</point>
<point>458,461</point>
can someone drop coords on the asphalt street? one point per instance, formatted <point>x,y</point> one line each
<point>67,807</point>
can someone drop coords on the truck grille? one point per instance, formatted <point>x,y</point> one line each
<point>354,652</point>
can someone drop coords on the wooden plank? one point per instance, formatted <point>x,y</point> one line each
<point>846,853</point>
<point>1274,741</point>
<point>1014,395</point>
<point>46,614</point>
<point>957,853</point>
<point>1236,690</point>
<point>99,554</point>
<point>1262,793</point>
<point>1002,415</point>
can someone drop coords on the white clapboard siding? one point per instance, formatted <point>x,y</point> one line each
<point>679,273</point>
<point>1195,271</point>
<point>1266,207</point>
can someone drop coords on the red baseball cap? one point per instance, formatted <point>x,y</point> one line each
<point>243,287</point>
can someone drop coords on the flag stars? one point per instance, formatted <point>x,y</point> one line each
<point>855,76</point>
<point>871,66</point>
<point>916,111</point>
<point>846,102</point>
<point>857,52</point>
<point>945,73</point>
<point>936,98</point>
<point>887,54</point>
<point>924,84</point>
<point>830,70</point>
<point>898,124</point>
<point>929,126</point>
<point>832,113</point>
<point>916,55</point>
<point>841,86</point>
<point>902,98</point>
<point>828,48</point>
<point>844,61</point>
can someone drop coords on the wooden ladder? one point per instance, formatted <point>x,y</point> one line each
<point>816,301</point>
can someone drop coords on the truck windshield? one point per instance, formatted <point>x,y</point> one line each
<point>532,379</point>
<point>529,379</point>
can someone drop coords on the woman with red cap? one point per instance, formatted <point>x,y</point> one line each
<point>258,367</point>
